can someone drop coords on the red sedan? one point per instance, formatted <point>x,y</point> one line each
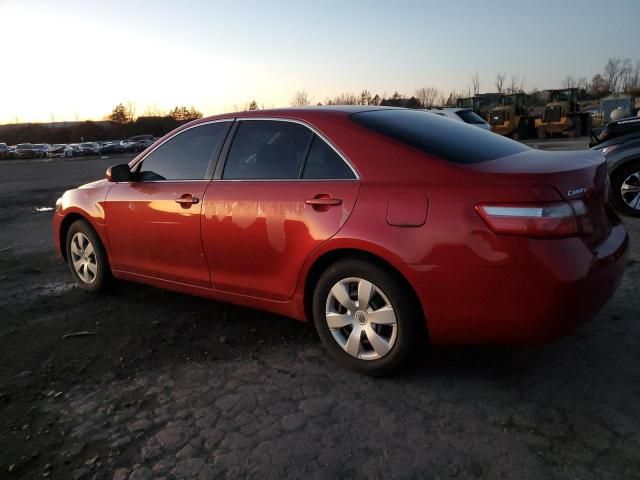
<point>385,227</point>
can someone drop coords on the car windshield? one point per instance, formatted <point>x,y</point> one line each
<point>451,141</point>
<point>24,146</point>
<point>38,145</point>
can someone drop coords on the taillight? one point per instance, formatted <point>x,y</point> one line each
<point>544,220</point>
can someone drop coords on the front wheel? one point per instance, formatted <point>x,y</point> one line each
<point>87,258</point>
<point>365,317</point>
<point>625,189</point>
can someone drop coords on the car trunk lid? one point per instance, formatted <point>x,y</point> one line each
<point>579,177</point>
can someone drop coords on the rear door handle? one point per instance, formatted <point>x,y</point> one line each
<point>324,202</point>
<point>187,200</point>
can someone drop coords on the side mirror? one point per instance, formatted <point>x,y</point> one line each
<point>119,173</point>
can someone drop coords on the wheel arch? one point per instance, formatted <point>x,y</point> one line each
<point>66,223</point>
<point>330,257</point>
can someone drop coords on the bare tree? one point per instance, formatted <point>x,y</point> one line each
<point>427,96</point>
<point>598,84</point>
<point>475,83</point>
<point>499,83</point>
<point>300,99</point>
<point>622,79</point>
<point>611,72</point>
<point>131,111</point>
<point>634,78</point>
<point>365,97</point>
<point>582,84</point>
<point>569,82</point>
<point>153,111</point>
<point>513,84</point>
<point>343,99</point>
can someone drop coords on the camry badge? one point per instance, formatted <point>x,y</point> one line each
<point>576,191</point>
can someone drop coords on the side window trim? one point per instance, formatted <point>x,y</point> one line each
<point>213,161</point>
<point>224,154</point>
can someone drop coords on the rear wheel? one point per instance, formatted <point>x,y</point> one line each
<point>87,258</point>
<point>625,189</point>
<point>365,317</point>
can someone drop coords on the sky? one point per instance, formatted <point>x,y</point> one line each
<point>64,60</point>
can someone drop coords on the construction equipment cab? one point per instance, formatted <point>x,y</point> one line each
<point>512,117</point>
<point>562,115</point>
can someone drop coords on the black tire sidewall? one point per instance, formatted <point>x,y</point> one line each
<point>104,274</point>
<point>407,316</point>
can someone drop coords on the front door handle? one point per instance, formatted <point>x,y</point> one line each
<point>187,200</point>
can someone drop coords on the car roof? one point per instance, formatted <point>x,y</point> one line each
<point>299,112</point>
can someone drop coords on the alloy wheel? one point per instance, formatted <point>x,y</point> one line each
<point>83,258</point>
<point>361,318</point>
<point>630,190</point>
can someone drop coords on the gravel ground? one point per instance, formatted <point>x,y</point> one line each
<point>179,387</point>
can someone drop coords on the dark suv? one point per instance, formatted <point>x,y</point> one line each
<point>619,141</point>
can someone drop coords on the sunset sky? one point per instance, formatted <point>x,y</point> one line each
<point>71,59</point>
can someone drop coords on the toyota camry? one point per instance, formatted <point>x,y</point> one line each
<point>385,228</point>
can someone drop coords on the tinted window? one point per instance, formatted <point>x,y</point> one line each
<point>469,116</point>
<point>451,141</point>
<point>186,156</point>
<point>324,163</point>
<point>265,149</point>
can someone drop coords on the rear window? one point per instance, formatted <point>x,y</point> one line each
<point>451,141</point>
<point>469,116</point>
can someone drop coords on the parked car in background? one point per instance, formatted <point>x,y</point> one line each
<point>465,237</point>
<point>4,150</point>
<point>12,151</point>
<point>619,141</point>
<point>77,149</point>
<point>25,150</point>
<point>111,146</point>
<point>137,143</point>
<point>41,149</point>
<point>90,148</point>
<point>466,115</point>
<point>59,150</point>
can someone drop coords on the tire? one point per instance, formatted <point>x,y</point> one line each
<point>626,177</point>
<point>87,258</point>
<point>541,132</point>
<point>576,128</point>
<point>389,302</point>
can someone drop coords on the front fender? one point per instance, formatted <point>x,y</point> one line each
<point>86,203</point>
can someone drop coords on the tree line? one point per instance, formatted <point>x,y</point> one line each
<point>618,75</point>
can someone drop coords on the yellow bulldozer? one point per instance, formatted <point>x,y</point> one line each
<point>512,117</point>
<point>562,115</point>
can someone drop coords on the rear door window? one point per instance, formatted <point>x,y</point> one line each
<point>267,149</point>
<point>323,163</point>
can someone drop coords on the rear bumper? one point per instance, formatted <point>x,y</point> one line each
<point>563,285</point>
